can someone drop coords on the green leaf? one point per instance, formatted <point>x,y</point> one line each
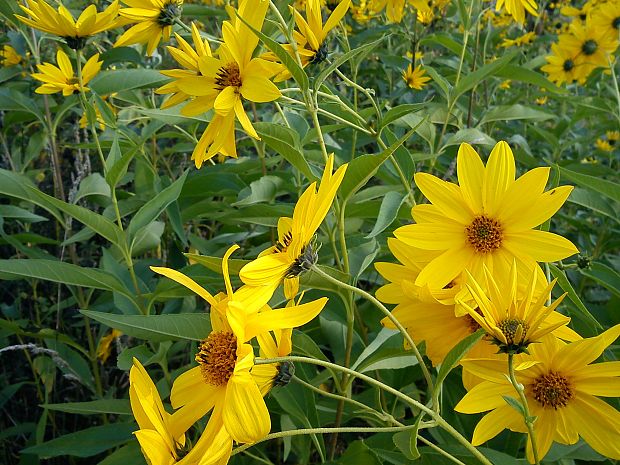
<point>85,443</point>
<point>192,326</point>
<point>471,136</point>
<point>262,190</point>
<point>215,263</point>
<point>514,112</point>
<point>93,184</point>
<point>21,214</point>
<point>587,198</point>
<point>148,237</point>
<point>60,272</point>
<point>607,188</point>
<point>17,185</point>
<point>572,295</point>
<point>154,207</point>
<point>286,142</point>
<point>455,355</point>
<point>12,100</point>
<point>117,164</point>
<point>519,73</point>
<point>407,441</point>
<point>473,79</point>
<point>300,76</point>
<point>361,169</point>
<point>399,111</point>
<point>515,404</point>
<point>605,276</point>
<point>113,406</point>
<point>118,80</point>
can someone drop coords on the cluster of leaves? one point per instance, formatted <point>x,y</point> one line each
<point>70,272</point>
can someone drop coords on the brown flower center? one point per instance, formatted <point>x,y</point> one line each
<point>282,245</point>
<point>514,330</point>
<point>228,75</point>
<point>217,355</point>
<point>552,389</point>
<point>589,47</point>
<point>484,234</point>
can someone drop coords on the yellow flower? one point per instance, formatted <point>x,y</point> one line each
<point>222,83</point>
<point>562,67</point>
<point>61,23</point>
<point>294,252</point>
<point>613,136</point>
<point>541,100</point>
<point>311,33</point>
<point>513,320</point>
<point>426,17</point>
<point>415,78</point>
<point>517,8</point>
<point>525,39</point>
<point>505,85</point>
<point>395,9</point>
<point>154,20</point>
<point>606,19</point>
<point>61,78</point>
<point>9,56</point>
<point>224,379</point>
<point>160,436</point>
<point>561,386</point>
<point>84,120</point>
<point>604,145</point>
<point>486,220</point>
<point>104,347</point>
<point>429,314</point>
<point>590,46</point>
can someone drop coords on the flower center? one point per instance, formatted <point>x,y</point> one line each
<point>616,23</point>
<point>514,330</point>
<point>76,43</point>
<point>228,75</point>
<point>169,13</point>
<point>589,47</point>
<point>568,65</point>
<point>217,355</point>
<point>553,390</point>
<point>304,262</point>
<point>484,234</point>
<point>282,245</point>
<point>320,55</point>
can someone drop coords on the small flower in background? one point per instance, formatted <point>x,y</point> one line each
<point>415,78</point>
<point>489,218</point>
<point>99,117</point>
<point>562,67</point>
<point>61,23</point>
<point>9,56</point>
<point>395,9</point>
<point>513,320</point>
<point>505,85</point>
<point>61,78</point>
<point>520,41</point>
<point>426,17</point>
<point>542,100</point>
<point>517,8</point>
<point>603,145</point>
<point>295,252</point>
<point>613,137</point>
<point>562,386</point>
<point>104,348</point>
<point>608,143</point>
<point>154,20</point>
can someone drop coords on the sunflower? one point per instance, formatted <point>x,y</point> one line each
<point>312,33</point>
<point>590,46</point>
<point>415,78</point>
<point>221,83</point>
<point>486,220</point>
<point>513,321</point>
<point>562,66</point>
<point>61,78</point>
<point>61,23</point>
<point>395,9</point>
<point>9,56</point>
<point>603,145</point>
<point>226,379</point>
<point>517,8</point>
<point>606,19</point>
<point>154,20</point>
<point>294,252</point>
<point>561,386</point>
<point>430,314</point>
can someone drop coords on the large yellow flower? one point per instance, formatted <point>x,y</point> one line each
<point>226,379</point>
<point>154,20</point>
<point>606,19</point>
<point>221,83</point>
<point>561,386</point>
<point>486,220</point>
<point>562,66</point>
<point>512,319</point>
<point>294,252</point>
<point>61,78</point>
<point>61,23</point>
<point>517,8</point>
<point>591,46</point>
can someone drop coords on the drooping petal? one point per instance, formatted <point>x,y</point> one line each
<point>443,269</point>
<point>245,414</point>
<point>185,281</point>
<point>266,270</point>
<point>493,423</point>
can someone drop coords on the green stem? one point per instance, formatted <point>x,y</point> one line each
<point>387,313</point>
<point>438,420</point>
<point>529,423</point>
<point>403,179</point>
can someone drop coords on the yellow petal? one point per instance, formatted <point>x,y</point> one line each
<point>258,88</point>
<point>470,172</point>
<point>446,196</point>
<point>245,414</point>
<point>185,281</point>
<point>541,246</point>
<point>445,268</point>
<point>499,175</point>
<point>485,396</point>
<point>493,423</point>
<point>266,270</point>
